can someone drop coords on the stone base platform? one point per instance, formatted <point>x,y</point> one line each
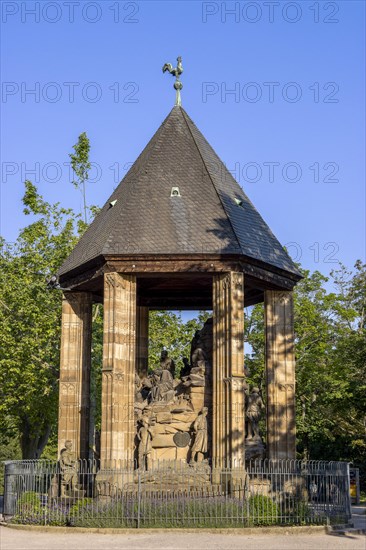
<point>173,478</point>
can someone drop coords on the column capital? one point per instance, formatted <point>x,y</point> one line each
<point>77,300</point>
<point>118,280</point>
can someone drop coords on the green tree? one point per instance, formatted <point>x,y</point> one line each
<point>30,313</point>
<point>81,165</point>
<point>316,334</point>
<point>349,360</point>
<point>254,339</point>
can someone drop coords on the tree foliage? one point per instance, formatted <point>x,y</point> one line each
<point>81,165</point>
<point>30,313</point>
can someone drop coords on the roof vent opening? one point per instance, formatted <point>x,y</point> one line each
<point>112,203</point>
<point>175,192</point>
<point>239,202</point>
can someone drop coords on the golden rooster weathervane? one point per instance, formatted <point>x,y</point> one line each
<point>177,71</point>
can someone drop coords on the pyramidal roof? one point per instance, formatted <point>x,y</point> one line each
<point>208,214</point>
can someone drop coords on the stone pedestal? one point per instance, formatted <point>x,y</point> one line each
<point>259,486</point>
<point>280,374</point>
<point>118,376</point>
<point>75,372</point>
<point>228,428</point>
<point>254,449</point>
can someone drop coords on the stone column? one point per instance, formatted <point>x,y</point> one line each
<point>280,374</point>
<point>142,340</point>
<point>76,329</point>
<point>118,376</point>
<point>228,433</point>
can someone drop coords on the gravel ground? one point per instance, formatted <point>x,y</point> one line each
<point>13,539</point>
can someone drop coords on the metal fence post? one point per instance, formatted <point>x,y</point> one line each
<point>348,492</point>
<point>138,499</point>
<point>10,496</point>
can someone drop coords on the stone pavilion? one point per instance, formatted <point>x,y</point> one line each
<point>177,233</point>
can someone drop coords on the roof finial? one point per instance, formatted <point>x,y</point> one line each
<point>177,71</point>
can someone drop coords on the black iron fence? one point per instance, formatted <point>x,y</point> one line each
<point>264,492</point>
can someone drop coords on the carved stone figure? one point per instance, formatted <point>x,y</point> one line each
<point>183,401</point>
<point>253,413</point>
<point>186,368</point>
<point>166,387</point>
<point>162,386</point>
<point>206,340</point>
<point>194,344</point>
<point>199,447</point>
<point>68,467</point>
<point>145,436</point>
<point>53,489</point>
<point>153,382</point>
<point>196,377</point>
<point>138,387</point>
<point>198,356</point>
<point>166,363</point>
<point>141,393</point>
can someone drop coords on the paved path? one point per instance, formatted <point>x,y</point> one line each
<point>359,516</point>
<point>13,539</point>
<point>21,539</point>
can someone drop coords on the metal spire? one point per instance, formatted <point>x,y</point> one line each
<point>177,71</point>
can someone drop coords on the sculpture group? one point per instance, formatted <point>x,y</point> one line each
<point>171,413</point>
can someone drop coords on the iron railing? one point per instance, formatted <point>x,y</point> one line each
<point>264,492</point>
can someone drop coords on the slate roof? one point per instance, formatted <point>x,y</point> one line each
<point>204,219</point>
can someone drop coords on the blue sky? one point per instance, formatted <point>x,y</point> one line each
<point>292,130</point>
